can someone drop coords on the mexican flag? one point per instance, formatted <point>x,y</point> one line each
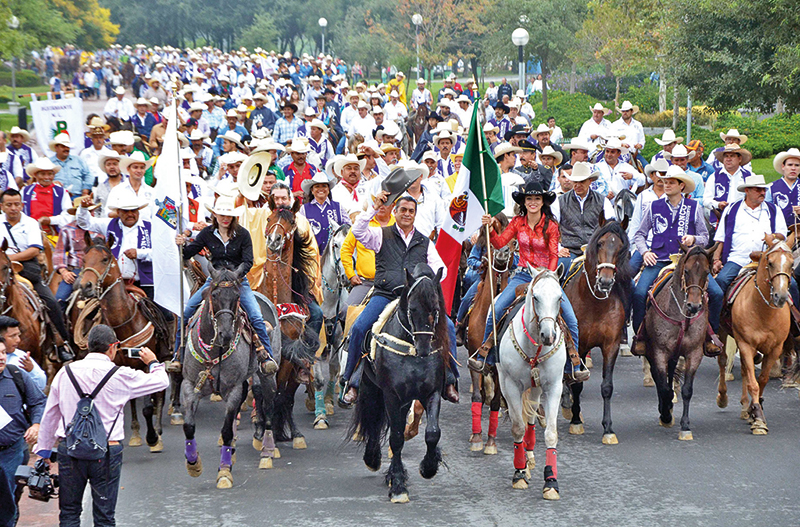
<point>467,205</point>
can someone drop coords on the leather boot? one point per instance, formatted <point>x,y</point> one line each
<point>579,374</point>
<point>712,346</point>
<point>477,362</point>
<point>638,346</point>
<point>65,354</point>
<point>451,386</point>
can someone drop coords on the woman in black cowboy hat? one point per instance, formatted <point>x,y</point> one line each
<point>536,230</point>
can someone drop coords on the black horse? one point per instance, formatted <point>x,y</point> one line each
<point>410,353</point>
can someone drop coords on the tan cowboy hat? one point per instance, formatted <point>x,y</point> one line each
<point>252,173</point>
<point>21,131</point>
<point>224,206</point>
<point>676,172</point>
<point>349,159</point>
<point>444,134</point>
<point>542,128</point>
<point>576,144</point>
<point>127,201</point>
<point>753,181</point>
<point>550,151</point>
<point>660,165</point>
<point>43,163</point>
<point>600,107</point>
<point>300,145</point>
<point>61,139</point>
<point>668,137</point>
<point>320,178</point>
<point>135,157</point>
<point>736,149</point>
<point>583,171</point>
<point>505,148</point>
<point>781,158</point>
<point>626,105</point>
<point>488,127</point>
<point>76,204</point>
<point>733,132</point>
<point>105,156</point>
<point>97,126</point>
<point>316,123</point>
<point>615,144</point>
<point>680,151</point>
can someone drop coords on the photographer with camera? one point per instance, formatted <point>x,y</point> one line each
<point>21,408</point>
<point>97,460</point>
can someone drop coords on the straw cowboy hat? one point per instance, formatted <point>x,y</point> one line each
<point>754,181</point>
<point>24,133</point>
<point>542,128</point>
<point>550,151</point>
<point>135,157</point>
<point>97,126</point>
<point>680,151</point>
<point>76,204</point>
<point>615,144</point>
<point>660,165</point>
<point>121,137</point>
<point>745,155</point>
<point>444,134</point>
<point>105,156</point>
<point>733,133</point>
<point>224,206</point>
<point>583,171</point>
<point>233,137</point>
<point>532,188</point>
<point>781,158</point>
<point>626,105</point>
<point>505,148</point>
<point>349,159</point>
<point>576,144</point>
<point>127,201</point>
<point>668,137</point>
<point>676,172</point>
<point>300,145</point>
<point>61,139</point>
<point>320,178</point>
<point>43,163</point>
<point>600,108</point>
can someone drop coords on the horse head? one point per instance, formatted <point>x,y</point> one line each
<point>543,303</point>
<point>607,254</point>
<point>223,301</point>
<point>421,305</point>
<point>100,270</point>
<point>775,268</point>
<point>280,228</point>
<point>693,269</point>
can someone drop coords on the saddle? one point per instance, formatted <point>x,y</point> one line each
<point>575,267</point>
<point>744,276</point>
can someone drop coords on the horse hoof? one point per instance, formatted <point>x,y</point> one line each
<point>550,494</point>
<point>158,447</point>
<point>728,377</point>
<point>686,435</point>
<point>566,413</point>
<point>321,424</point>
<point>722,400</point>
<point>588,362</point>
<point>224,478</point>
<point>310,405</point>
<point>490,450</point>
<point>276,454</point>
<point>531,461</point>
<point>329,408</point>
<point>176,419</point>
<point>215,398</point>
<point>196,468</point>
<point>135,440</point>
<point>265,463</point>
<point>759,427</point>
<point>258,444</point>
<point>475,443</point>
<point>648,382</point>
<point>520,484</point>
<point>668,424</point>
<point>610,439</point>
<point>744,414</point>
<point>576,430</point>
<point>400,498</point>
<point>219,440</point>
<point>299,443</point>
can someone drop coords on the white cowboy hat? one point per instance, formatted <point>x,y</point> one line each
<point>660,165</point>
<point>676,172</point>
<point>105,156</point>
<point>320,178</point>
<point>299,145</point>
<point>600,107</point>
<point>626,105</point>
<point>135,157</point>
<point>680,151</point>
<point>421,81</point>
<point>316,123</point>
<point>390,129</point>
<point>615,144</point>
<point>308,112</point>
<point>744,154</point>
<point>122,137</point>
<point>576,144</point>
<point>444,134</point>
<point>377,109</point>
<point>394,93</point>
<point>195,107</point>
<point>231,113</point>
<point>550,151</point>
<point>505,148</point>
<point>372,145</point>
<point>141,101</point>
<point>668,137</point>
<point>733,132</point>
<point>24,133</point>
<point>186,153</point>
<point>232,157</point>
<point>197,135</point>
<point>349,159</point>
<point>224,206</point>
<point>488,127</point>
<point>583,171</point>
<point>781,158</point>
<point>43,163</point>
<point>265,145</point>
<point>542,128</point>
<point>127,201</point>
<point>61,139</point>
<point>753,181</point>
<point>119,90</point>
<point>227,187</point>
<point>233,137</point>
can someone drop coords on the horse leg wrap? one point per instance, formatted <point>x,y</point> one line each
<point>191,450</point>
<point>493,417</point>
<point>319,402</point>
<point>330,390</point>
<point>551,464</point>
<point>520,459</point>
<point>530,436</point>
<point>225,455</point>
<point>268,443</point>
<point>476,417</point>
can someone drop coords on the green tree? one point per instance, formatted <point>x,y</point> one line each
<point>41,24</point>
<point>261,33</point>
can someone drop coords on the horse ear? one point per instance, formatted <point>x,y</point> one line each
<point>768,239</point>
<point>87,240</point>
<point>778,237</point>
<point>602,219</point>
<point>684,248</point>
<point>624,223</point>
<point>439,274</point>
<point>296,205</point>
<point>756,255</point>
<point>213,273</point>
<point>110,240</point>
<point>560,271</point>
<point>409,277</point>
<point>16,266</point>
<point>4,247</point>
<point>532,270</point>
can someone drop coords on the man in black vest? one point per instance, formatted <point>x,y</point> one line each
<point>397,247</point>
<point>578,213</point>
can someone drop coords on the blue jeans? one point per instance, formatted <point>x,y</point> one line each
<point>635,263</point>
<point>649,275</point>
<point>248,302</point>
<point>359,329</point>
<point>471,276</point>
<point>566,262</point>
<point>10,459</point>
<point>63,292</point>
<point>463,308</point>
<point>315,318</point>
<point>722,282</point>
<point>507,297</point>
<point>102,475</point>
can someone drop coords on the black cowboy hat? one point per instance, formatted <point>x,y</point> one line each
<point>500,106</point>
<point>398,181</point>
<point>326,91</point>
<point>518,129</point>
<point>290,105</point>
<point>533,188</point>
<point>434,115</point>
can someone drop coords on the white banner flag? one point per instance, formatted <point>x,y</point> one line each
<point>169,194</point>
<point>50,118</point>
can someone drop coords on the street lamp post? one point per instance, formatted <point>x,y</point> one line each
<point>323,23</point>
<point>13,106</point>
<point>520,37</point>
<point>417,20</point>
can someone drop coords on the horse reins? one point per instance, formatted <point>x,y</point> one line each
<point>771,279</point>
<point>598,268</point>
<point>537,358</point>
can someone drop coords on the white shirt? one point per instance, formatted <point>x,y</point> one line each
<point>633,132</point>
<point>608,208</point>
<point>711,190</point>
<point>748,231</point>
<point>438,185</point>
<point>130,240</point>
<point>91,156</point>
<point>351,204</point>
<point>121,109</point>
<point>556,135</point>
<point>15,170</point>
<point>510,180</point>
<point>591,128</point>
<point>393,112</point>
<point>643,202</point>
<point>348,115</point>
<point>363,126</point>
<point>23,235</point>
<point>430,213</point>
<point>613,177</point>
<point>146,193</point>
<point>421,97</point>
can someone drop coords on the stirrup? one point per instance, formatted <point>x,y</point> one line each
<point>269,366</point>
<point>174,366</point>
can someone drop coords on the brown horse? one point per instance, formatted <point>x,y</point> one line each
<point>760,321</point>
<point>288,271</point>
<point>600,295</point>
<point>417,121</point>
<point>486,386</point>
<point>675,326</point>
<point>136,323</point>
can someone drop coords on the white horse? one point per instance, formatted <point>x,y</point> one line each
<point>531,362</point>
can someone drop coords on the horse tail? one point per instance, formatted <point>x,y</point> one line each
<point>302,351</point>
<point>282,414</point>
<point>369,424</point>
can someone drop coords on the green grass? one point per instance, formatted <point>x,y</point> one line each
<point>8,120</point>
<point>764,166</point>
<point>5,94</point>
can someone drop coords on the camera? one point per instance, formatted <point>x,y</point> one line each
<point>41,484</point>
<point>132,353</point>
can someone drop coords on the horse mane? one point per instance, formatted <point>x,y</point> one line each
<point>623,283</point>
<point>441,337</point>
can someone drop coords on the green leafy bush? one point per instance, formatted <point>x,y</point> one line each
<point>25,79</point>
<point>570,111</point>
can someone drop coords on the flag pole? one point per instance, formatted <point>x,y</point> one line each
<point>181,190</point>
<point>490,272</point>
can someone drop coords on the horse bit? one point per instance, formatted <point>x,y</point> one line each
<point>592,288</point>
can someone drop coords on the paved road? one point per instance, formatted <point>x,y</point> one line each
<point>724,477</point>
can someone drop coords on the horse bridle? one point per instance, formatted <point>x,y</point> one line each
<point>287,234</point>
<point>215,313</point>
<point>685,288</point>
<point>592,288</point>
<point>770,281</point>
<point>412,331</point>
<point>99,291</point>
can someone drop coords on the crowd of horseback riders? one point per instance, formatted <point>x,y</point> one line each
<point>313,260</point>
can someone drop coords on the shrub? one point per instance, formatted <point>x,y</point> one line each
<point>25,79</point>
<point>570,111</point>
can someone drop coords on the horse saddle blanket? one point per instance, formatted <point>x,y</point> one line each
<point>744,276</point>
<point>575,267</point>
<point>662,280</point>
<point>291,310</point>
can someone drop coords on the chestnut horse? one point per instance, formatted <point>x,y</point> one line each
<point>288,272</point>
<point>760,321</point>
<point>600,295</point>
<point>136,322</point>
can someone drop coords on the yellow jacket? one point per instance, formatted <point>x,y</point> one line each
<point>400,86</point>
<point>364,258</point>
